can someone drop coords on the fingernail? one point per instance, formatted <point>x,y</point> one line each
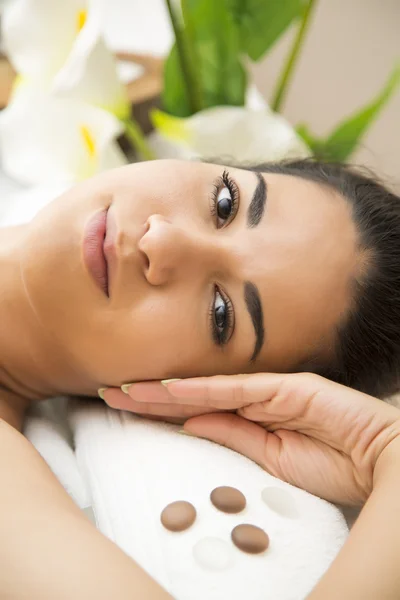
<point>167,381</point>
<point>100,392</point>
<point>125,388</point>
<point>183,432</point>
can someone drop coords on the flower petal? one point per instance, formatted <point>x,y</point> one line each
<point>173,128</point>
<point>90,72</point>
<point>45,139</point>
<point>237,134</point>
<point>38,34</point>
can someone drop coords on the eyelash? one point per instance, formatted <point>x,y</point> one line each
<point>225,181</point>
<point>220,338</point>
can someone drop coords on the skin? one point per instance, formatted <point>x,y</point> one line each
<point>61,334</point>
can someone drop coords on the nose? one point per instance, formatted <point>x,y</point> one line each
<point>173,250</point>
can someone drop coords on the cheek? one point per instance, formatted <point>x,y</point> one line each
<point>161,340</point>
<point>147,342</point>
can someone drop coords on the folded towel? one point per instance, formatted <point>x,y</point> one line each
<point>46,426</point>
<point>135,467</point>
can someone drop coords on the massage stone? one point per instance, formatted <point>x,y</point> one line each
<point>228,499</point>
<point>178,516</point>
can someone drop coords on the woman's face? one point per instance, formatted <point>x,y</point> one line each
<point>210,270</point>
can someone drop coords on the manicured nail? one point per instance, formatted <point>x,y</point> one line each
<point>125,388</point>
<point>167,381</point>
<point>183,432</point>
<point>100,392</point>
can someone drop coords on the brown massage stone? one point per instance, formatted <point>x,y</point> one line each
<point>250,539</point>
<point>228,499</point>
<point>178,516</point>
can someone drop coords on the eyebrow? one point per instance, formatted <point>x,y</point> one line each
<point>256,207</point>
<point>254,307</point>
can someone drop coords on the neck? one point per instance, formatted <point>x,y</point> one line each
<point>32,364</point>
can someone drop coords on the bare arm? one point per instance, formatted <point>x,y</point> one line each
<point>48,548</point>
<point>368,566</point>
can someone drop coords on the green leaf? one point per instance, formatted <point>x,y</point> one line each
<point>315,144</point>
<point>218,48</point>
<point>215,48</point>
<point>344,140</point>
<point>262,22</point>
<point>174,97</point>
<point>304,132</point>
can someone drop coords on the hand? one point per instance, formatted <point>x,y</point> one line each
<point>302,428</point>
<point>152,400</point>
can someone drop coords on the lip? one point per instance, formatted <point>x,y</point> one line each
<point>93,250</point>
<point>110,248</point>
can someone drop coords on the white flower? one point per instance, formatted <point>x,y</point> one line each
<point>56,126</point>
<point>237,134</point>
<point>57,47</point>
<point>44,138</point>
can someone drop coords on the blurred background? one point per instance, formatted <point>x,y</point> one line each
<point>349,49</point>
<point>345,59</point>
<point>347,55</point>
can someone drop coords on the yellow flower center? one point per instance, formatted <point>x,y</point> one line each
<point>81,19</point>
<point>89,141</point>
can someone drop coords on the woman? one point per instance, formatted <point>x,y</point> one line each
<point>178,269</point>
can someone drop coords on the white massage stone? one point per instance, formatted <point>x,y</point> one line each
<point>213,554</point>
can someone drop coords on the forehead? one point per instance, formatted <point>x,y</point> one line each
<point>303,258</point>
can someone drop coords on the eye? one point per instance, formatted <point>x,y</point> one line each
<point>224,204</point>
<point>219,312</point>
<point>225,200</point>
<point>221,315</point>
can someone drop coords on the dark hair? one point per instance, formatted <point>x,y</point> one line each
<point>367,353</point>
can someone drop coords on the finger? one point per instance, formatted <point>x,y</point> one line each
<point>268,415</point>
<point>240,435</point>
<point>114,398</point>
<point>155,392</point>
<point>224,391</point>
<point>340,417</point>
<point>150,392</point>
<point>288,455</point>
<point>173,420</point>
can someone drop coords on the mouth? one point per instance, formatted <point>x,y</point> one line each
<point>93,250</point>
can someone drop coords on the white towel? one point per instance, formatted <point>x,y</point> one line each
<point>135,467</point>
<point>46,427</point>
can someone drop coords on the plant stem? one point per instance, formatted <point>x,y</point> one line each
<point>136,137</point>
<point>190,40</point>
<point>287,73</point>
<point>190,81</point>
